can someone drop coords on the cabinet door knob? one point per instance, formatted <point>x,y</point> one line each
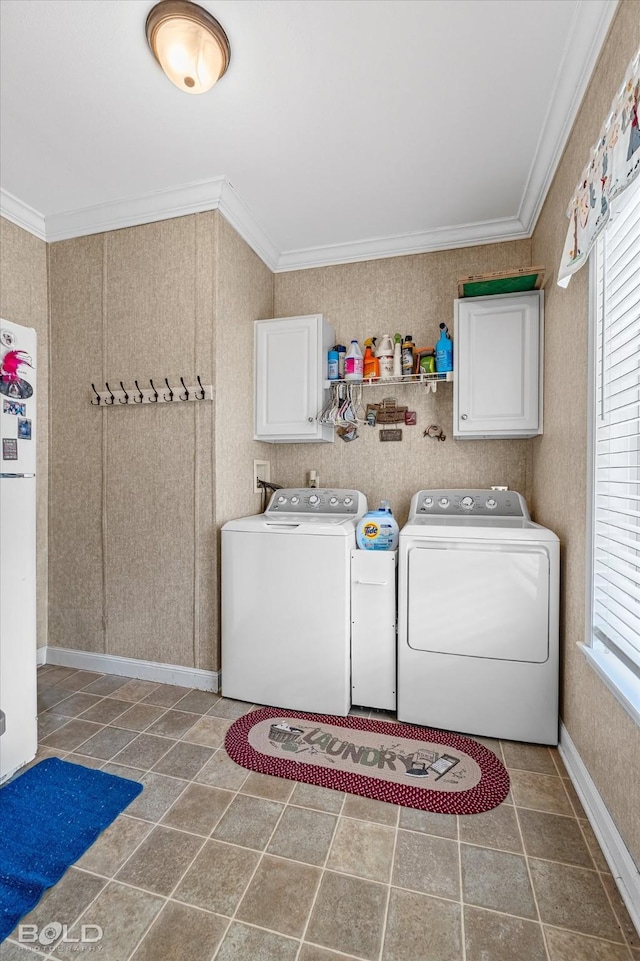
<point>310,419</point>
<point>463,416</point>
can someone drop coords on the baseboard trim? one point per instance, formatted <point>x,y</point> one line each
<point>623,868</point>
<point>41,656</point>
<point>131,667</point>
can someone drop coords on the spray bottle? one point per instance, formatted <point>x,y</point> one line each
<point>444,351</point>
<point>371,364</point>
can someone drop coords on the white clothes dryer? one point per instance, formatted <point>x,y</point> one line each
<point>286,601</point>
<point>478,595</point>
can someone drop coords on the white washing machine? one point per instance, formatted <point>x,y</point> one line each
<point>286,608</point>
<point>478,586</point>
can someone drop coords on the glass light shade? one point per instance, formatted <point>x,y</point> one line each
<point>189,44</point>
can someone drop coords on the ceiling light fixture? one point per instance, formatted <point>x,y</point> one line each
<point>188,43</point>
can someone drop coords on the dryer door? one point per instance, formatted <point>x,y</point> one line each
<point>479,600</point>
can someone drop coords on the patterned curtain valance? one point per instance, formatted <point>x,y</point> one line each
<point>614,163</point>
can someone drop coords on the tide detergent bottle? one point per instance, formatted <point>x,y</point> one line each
<point>378,530</point>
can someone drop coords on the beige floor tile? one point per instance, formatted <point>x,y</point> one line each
<point>106,710</point>
<point>136,690</point>
<point>573,797</point>
<point>263,785</point>
<point>304,835</point>
<point>497,828</point>
<point>11,951</point>
<point>76,704</point>
<point>77,680</point>
<point>311,952</point>
<point>124,914</point>
<point>243,943</point>
<point>496,880</point>
<point>174,723</point>
<point>554,837</point>
<point>248,821</point>
<point>94,762</point>
<point>362,848</point>
<point>159,794</point>
<point>138,717</point>
<point>320,798</point>
<point>106,743</point>
<point>620,911</point>
<point>571,897</point>
<point>594,848</point>
<point>107,855</point>
<point>227,707</point>
<point>429,822</point>
<point>72,735</point>
<point>105,685</point>
<point>64,902</point>
<point>528,757</point>
<point>420,928</point>
<point>184,760</point>
<point>280,896</point>
<point>501,938</point>
<point>51,697</point>
<point>428,864</point>
<point>348,915</point>
<point>567,946</point>
<point>145,751</point>
<point>160,861</point>
<point>221,771</point>
<point>48,723</point>
<point>218,877</point>
<point>368,809</point>
<point>209,731</point>
<point>182,933</point>
<point>166,695</point>
<point>197,702</point>
<point>198,809</point>
<point>541,792</point>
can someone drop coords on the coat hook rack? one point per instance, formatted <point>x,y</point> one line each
<point>150,394</point>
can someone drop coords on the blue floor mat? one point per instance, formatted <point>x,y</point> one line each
<point>49,816</point>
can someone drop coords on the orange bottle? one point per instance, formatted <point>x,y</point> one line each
<point>371,364</point>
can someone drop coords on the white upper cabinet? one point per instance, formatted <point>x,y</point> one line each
<point>498,344</point>
<point>290,366</point>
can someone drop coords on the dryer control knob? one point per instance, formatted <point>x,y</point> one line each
<point>281,499</point>
<point>294,499</point>
<point>444,502</point>
<point>491,503</point>
<point>467,503</point>
<point>333,500</point>
<point>314,499</point>
<point>427,502</point>
<point>348,501</point>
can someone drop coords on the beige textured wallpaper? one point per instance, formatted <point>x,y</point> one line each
<point>601,730</point>
<point>23,300</point>
<point>405,295</point>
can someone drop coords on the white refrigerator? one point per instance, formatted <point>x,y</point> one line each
<point>18,680</point>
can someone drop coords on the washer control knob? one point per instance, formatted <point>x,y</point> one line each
<point>348,501</point>
<point>282,499</point>
<point>314,499</point>
<point>491,503</point>
<point>443,502</point>
<point>294,499</point>
<point>467,502</point>
<point>427,502</point>
<point>333,500</point>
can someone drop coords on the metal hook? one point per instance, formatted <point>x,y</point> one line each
<point>186,390</point>
<point>170,391</point>
<point>126,396</point>
<point>155,393</point>
<point>93,402</point>
<point>200,396</point>
<point>140,394</point>
<point>111,394</point>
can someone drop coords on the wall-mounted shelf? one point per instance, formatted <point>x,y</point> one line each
<point>397,381</point>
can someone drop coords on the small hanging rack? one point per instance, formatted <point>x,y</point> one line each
<point>154,394</point>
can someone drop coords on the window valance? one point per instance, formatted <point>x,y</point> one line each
<point>614,164</point>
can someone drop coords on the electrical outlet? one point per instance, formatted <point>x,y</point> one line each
<point>261,471</point>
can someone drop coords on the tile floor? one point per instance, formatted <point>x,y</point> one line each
<point>212,861</point>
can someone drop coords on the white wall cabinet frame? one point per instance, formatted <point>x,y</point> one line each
<point>498,351</point>
<point>290,367</point>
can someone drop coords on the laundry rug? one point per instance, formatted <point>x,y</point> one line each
<point>416,767</point>
<point>49,816</point>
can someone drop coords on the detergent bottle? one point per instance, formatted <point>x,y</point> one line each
<point>378,530</point>
<point>444,351</point>
<point>371,364</point>
<point>408,348</point>
<point>353,362</point>
<point>384,353</point>
<point>397,356</point>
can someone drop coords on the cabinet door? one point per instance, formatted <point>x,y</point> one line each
<point>497,360</point>
<point>289,354</point>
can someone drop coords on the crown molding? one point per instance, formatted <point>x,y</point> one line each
<point>22,215</point>
<point>589,29</point>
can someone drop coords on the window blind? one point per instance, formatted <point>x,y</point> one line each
<point>616,540</point>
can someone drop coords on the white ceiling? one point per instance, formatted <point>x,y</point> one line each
<point>343,129</point>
